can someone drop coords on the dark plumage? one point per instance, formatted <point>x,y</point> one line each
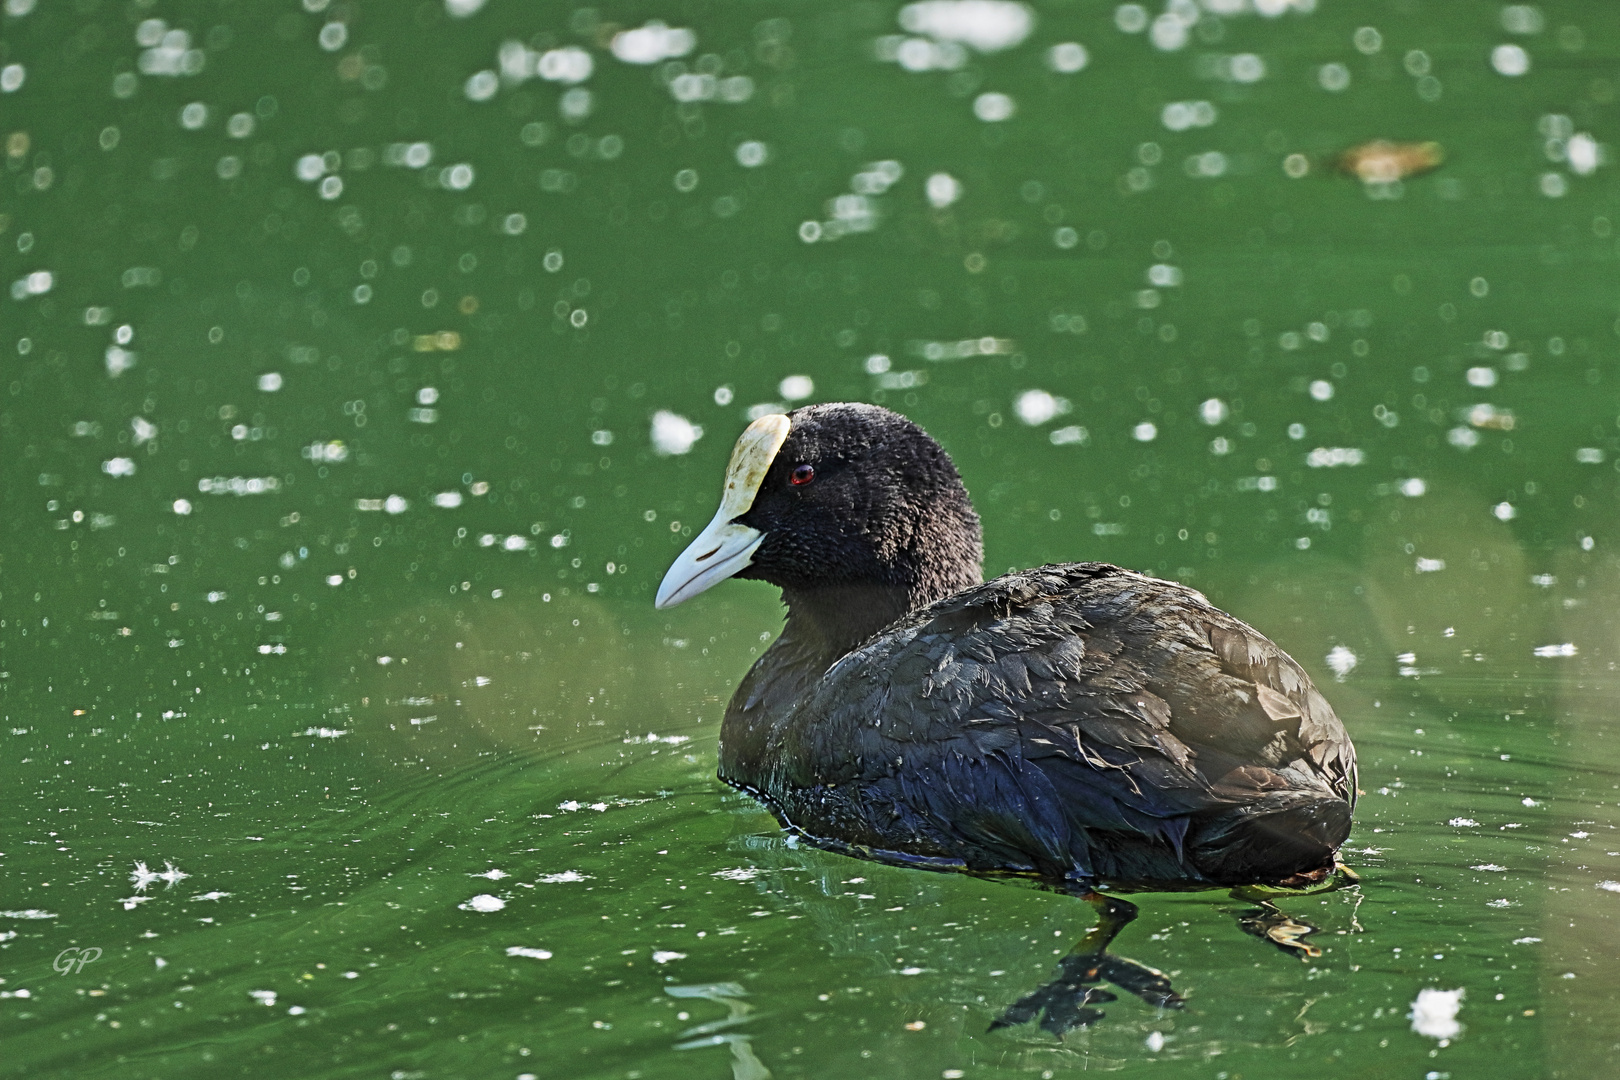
<point>1078,722</point>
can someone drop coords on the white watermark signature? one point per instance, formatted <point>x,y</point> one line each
<point>75,959</point>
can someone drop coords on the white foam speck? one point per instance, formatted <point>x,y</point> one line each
<point>1411,487</point>
<point>796,387</point>
<point>483,902</point>
<point>564,878</point>
<point>1462,823</point>
<point>1510,60</point>
<point>1609,886</point>
<point>1341,661</point>
<point>1565,649</point>
<point>533,954</point>
<point>1067,57</point>
<point>1583,153</point>
<point>447,500</point>
<point>28,913</point>
<point>1434,1013</point>
<point>263,997</point>
<point>673,434</point>
<point>1154,1041</point>
<point>942,190</point>
<point>1036,407</point>
<point>1146,431</point>
<point>985,25</point>
<point>1489,868</point>
<point>664,956</point>
<point>993,108</point>
<point>652,43</point>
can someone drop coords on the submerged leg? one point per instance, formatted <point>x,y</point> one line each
<point>1068,999</point>
<point>1269,923</point>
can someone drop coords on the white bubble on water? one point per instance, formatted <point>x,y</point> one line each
<point>1169,32</point>
<point>652,43</point>
<point>240,125</point>
<point>1549,651</point>
<point>461,9</point>
<point>447,500</point>
<point>1583,153</point>
<point>1181,115</point>
<point>1333,457</point>
<point>119,360</point>
<point>796,387</point>
<point>1321,390</point>
<point>333,35</point>
<point>1131,18</point>
<point>1244,68</point>
<point>12,77</point>
<point>455,177</point>
<point>1510,60</point>
<point>1072,435</point>
<point>1523,19</point>
<point>194,116</point>
<point>1036,407</point>
<point>481,86</point>
<point>575,105</point>
<point>483,902</point>
<point>331,187</point>
<point>1504,511</point>
<point>942,190</point>
<point>752,154</point>
<point>1412,487</point>
<point>1333,78</point>
<point>1341,661</point>
<point>309,168</point>
<point>142,430</point>
<point>1146,431</point>
<point>568,65</point>
<point>119,466</point>
<point>1553,185</point>
<point>673,434</point>
<point>270,382</point>
<point>1213,411</point>
<point>182,507</point>
<point>1067,57</point>
<point>1164,276</point>
<point>993,107</point>
<point>985,25</point>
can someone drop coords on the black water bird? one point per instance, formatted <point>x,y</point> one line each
<point>1078,724</point>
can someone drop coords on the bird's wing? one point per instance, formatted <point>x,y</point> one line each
<point>1070,697</point>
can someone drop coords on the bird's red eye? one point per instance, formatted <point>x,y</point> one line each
<point>802,474</point>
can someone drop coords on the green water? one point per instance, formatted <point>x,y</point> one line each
<point>343,710</point>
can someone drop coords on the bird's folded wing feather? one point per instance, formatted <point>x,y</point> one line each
<point>1073,695</point>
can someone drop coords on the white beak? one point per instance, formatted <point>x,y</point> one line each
<point>725,547</point>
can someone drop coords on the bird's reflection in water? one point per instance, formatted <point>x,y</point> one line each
<point>745,1064</point>
<point>1069,1000</point>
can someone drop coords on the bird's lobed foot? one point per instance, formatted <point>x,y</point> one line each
<point>1289,935</point>
<point>1067,1001</point>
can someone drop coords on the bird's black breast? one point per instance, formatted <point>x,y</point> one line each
<point>1076,721</point>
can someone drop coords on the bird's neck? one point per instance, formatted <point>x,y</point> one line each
<point>829,622</point>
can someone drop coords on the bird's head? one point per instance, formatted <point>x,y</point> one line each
<point>836,496</point>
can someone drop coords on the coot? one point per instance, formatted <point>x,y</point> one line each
<point>1079,724</point>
